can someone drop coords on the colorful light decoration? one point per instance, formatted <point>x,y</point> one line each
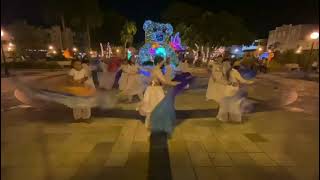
<point>176,43</point>
<point>109,50</point>
<point>129,54</point>
<point>157,36</point>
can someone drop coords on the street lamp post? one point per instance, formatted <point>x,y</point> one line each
<point>6,71</point>
<point>314,36</point>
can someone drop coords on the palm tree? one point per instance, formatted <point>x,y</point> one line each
<point>59,10</point>
<point>88,17</point>
<point>128,32</point>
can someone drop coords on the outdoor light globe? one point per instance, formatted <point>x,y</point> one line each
<point>50,47</point>
<point>10,44</point>
<point>314,35</point>
<point>75,49</point>
<point>260,49</point>
<point>117,50</point>
<point>2,33</point>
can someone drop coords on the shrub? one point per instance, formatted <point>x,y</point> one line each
<point>304,59</point>
<point>33,65</point>
<point>275,66</point>
<point>248,62</point>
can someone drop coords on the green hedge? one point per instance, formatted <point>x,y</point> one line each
<point>34,65</point>
<point>304,59</point>
<point>274,66</point>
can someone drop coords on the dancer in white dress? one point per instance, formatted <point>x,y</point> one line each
<point>217,83</point>
<point>135,85</point>
<point>169,74</point>
<point>183,66</point>
<point>154,92</point>
<point>230,105</point>
<point>80,77</point>
<point>106,77</point>
<point>123,81</point>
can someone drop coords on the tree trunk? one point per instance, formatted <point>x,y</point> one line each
<point>62,33</point>
<point>125,48</point>
<point>89,38</point>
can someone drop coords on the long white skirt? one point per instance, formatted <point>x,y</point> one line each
<point>215,91</point>
<point>134,85</point>
<point>151,98</point>
<point>123,81</point>
<point>232,107</point>
<point>106,79</point>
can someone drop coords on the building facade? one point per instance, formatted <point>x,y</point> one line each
<point>292,37</point>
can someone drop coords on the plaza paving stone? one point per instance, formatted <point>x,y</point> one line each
<point>272,144</point>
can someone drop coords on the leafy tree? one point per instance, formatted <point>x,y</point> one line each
<point>128,32</point>
<point>178,12</point>
<point>112,25</point>
<point>28,37</point>
<point>223,29</point>
<point>59,11</point>
<point>87,17</point>
<point>205,27</point>
<point>84,15</point>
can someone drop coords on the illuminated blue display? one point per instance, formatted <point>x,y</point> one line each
<point>157,36</point>
<point>161,52</point>
<point>264,55</point>
<point>145,73</point>
<point>129,54</point>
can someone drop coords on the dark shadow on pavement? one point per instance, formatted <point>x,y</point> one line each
<point>159,160</point>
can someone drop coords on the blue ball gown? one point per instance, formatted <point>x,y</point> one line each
<point>163,116</point>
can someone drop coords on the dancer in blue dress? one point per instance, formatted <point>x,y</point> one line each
<point>158,107</point>
<point>164,115</point>
<point>154,92</point>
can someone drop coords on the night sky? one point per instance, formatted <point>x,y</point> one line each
<point>260,16</point>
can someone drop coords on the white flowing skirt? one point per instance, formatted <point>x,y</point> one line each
<point>152,97</point>
<point>134,85</point>
<point>123,81</point>
<point>215,91</point>
<point>106,79</point>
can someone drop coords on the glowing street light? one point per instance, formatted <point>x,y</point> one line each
<point>75,49</point>
<point>10,44</point>
<point>51,47</point>
<point>260,49</point>
<point>54,52</point>
<point>314,35</point>
<point>117,50</point>
<point>6,71</point>
<point>236,50</point>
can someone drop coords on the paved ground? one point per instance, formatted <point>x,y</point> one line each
<point>278,141</point>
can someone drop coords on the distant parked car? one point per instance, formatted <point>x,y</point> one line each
<point>292,67</point>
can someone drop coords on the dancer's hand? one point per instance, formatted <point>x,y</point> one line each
<point>250,82</point>
<point>174,83</point>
